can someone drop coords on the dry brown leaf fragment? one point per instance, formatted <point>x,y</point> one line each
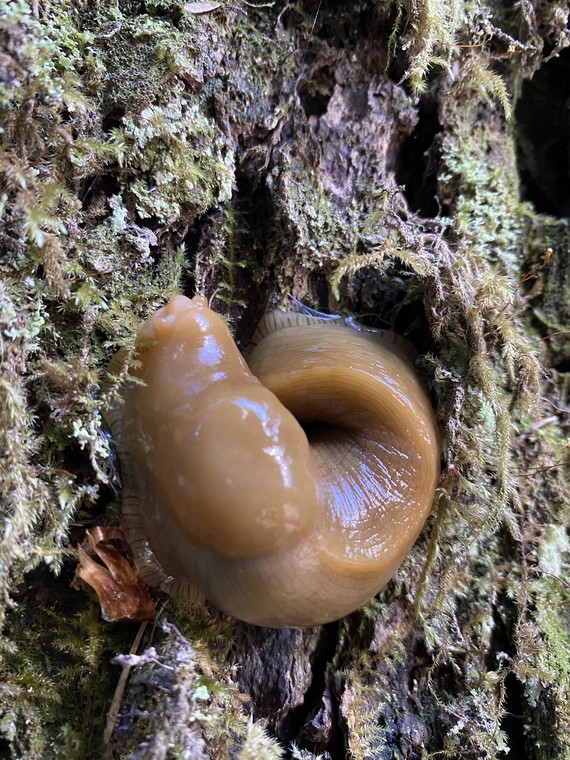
<point>122,594</point>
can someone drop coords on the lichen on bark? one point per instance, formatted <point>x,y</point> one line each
<point>358,156</point>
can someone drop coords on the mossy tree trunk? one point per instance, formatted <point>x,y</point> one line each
<point>407,163</point>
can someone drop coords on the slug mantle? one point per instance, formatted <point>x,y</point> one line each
<point>286,490</point>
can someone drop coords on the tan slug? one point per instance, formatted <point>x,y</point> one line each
<point>287,492</point>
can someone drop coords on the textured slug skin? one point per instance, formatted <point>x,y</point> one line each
<point>287,495</point>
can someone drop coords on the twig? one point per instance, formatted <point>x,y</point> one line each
<point>118,697</point>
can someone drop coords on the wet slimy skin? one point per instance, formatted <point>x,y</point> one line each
<point>286,490</point>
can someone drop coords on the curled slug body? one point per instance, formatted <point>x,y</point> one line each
<point>287,492</point>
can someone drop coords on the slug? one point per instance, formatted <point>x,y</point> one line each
<point>286,490</point>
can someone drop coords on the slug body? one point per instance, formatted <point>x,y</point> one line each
<point>287,492</point>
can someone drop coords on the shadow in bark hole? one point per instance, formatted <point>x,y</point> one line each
<point>314,725</point>
<point>544,142</point>
<point>417,162</point>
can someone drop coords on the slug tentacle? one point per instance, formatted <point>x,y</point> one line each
<point>288,491</point>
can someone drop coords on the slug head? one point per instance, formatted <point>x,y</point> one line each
<point>218,450</point>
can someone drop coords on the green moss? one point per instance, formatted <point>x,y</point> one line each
<point>429,30</point>
<point>257,743</point>
<point>58,681</point>
<point>177,151</point>
<point>64,279</point>
<point>479,180</point>
<point>543,631</point>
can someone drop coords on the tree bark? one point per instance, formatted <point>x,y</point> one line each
<point>405,163</point>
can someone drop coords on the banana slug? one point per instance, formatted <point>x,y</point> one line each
<point>286,490</point>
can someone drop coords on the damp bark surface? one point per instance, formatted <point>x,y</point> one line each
<point>402,163</point>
